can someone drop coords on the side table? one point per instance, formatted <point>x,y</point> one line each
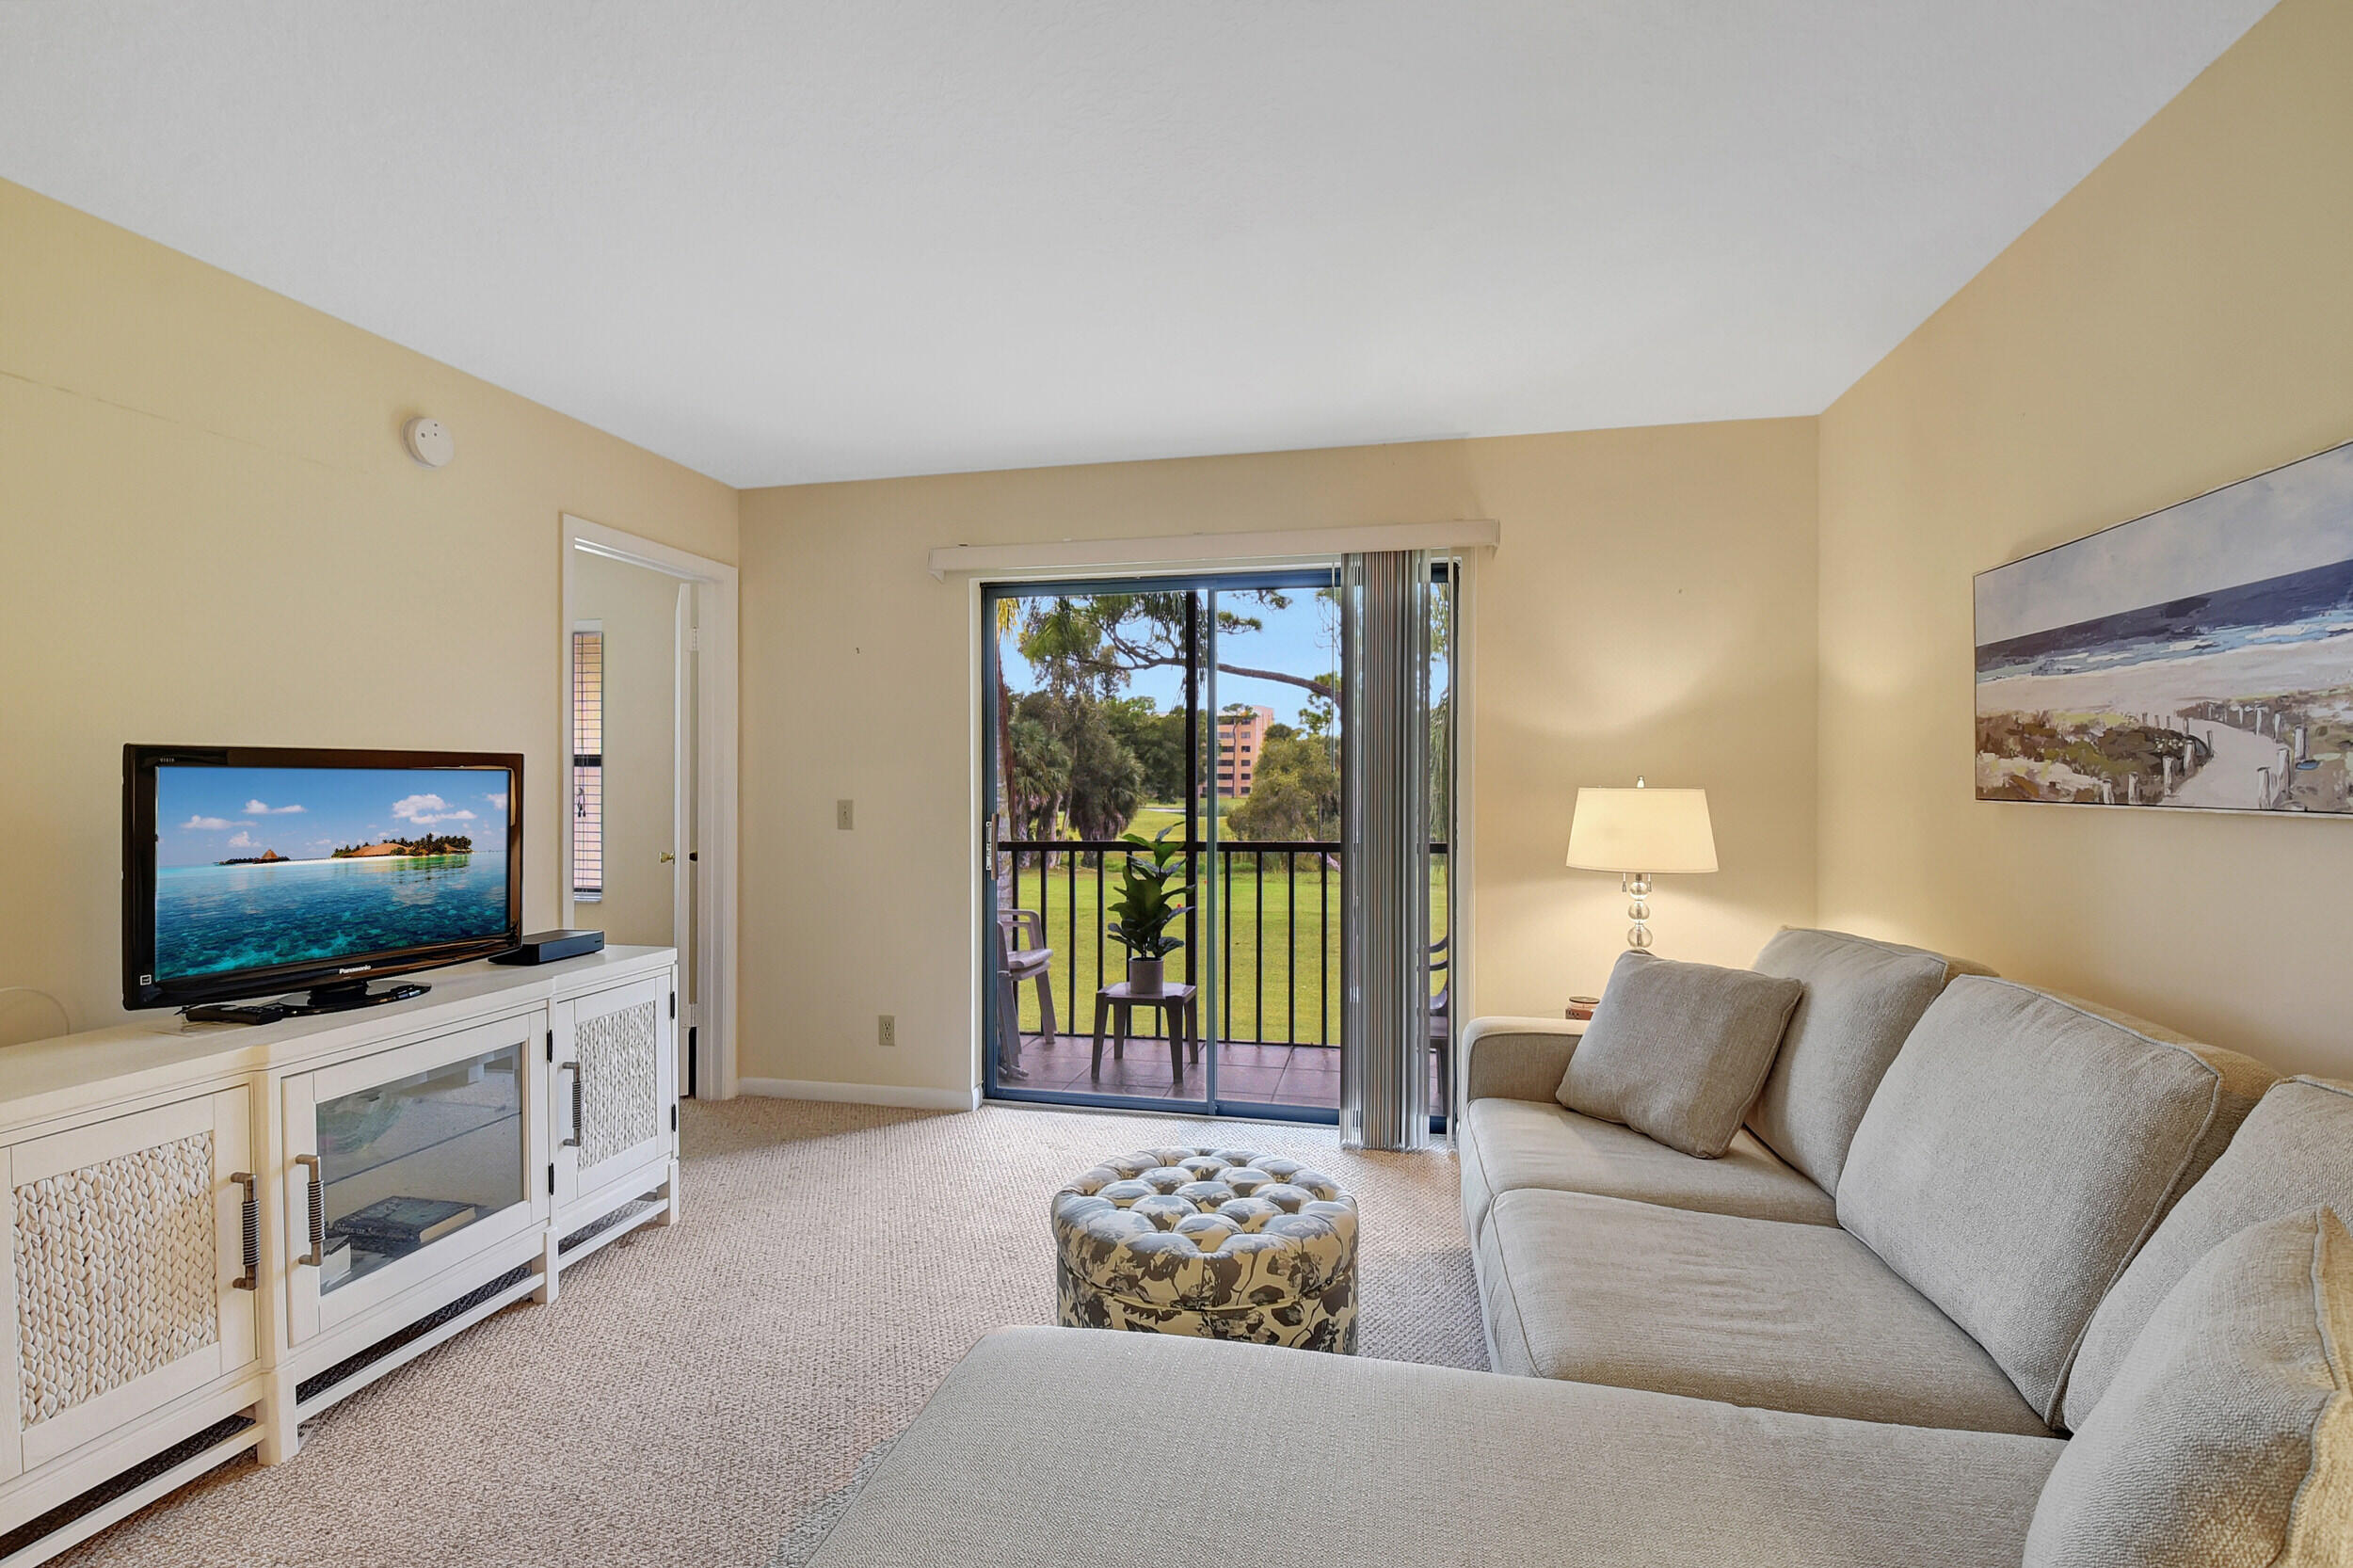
<point>1175,1004</point>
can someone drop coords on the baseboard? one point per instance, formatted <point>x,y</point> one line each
<point>861,1094</point>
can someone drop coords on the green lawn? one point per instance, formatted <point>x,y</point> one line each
<point>1151,819</point>
<point>1268,932</point>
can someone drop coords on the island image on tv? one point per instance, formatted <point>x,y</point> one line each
<point>257,866</point>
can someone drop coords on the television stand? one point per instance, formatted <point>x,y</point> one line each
<point>351,994</point>
<point>460,1096</point>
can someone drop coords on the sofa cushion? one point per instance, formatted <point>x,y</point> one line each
<point>2244,1081</point>
<point>1753,1312</point>
<point>1508,1144</point>
<point>2018,1152</point>
<point>2294,1152</point>
<point>2227,1435</point>
<point>1353,1464</point>
<point>1861,999</point>
<point>1678,1050</point>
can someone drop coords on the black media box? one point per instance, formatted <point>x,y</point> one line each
<point>549,947</point>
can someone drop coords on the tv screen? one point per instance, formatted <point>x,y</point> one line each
<point>250,871</point>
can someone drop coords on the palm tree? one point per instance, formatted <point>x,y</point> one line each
<point>1006,610</point>
<point>1106,781</point>
<point>1039,769</point>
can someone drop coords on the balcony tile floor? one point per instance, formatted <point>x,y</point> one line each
<point>1259,1074</point>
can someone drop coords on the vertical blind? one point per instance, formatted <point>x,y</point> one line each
<point>1385,648</point>
<point>588,763</point>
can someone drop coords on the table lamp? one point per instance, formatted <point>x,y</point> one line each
<point>1639,832</point>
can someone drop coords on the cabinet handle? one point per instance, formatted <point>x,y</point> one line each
<point>251,1227</point>
<point>316,1256</point>
<point>574,1142</point>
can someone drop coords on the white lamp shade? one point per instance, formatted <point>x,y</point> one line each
<point>1641,830</point>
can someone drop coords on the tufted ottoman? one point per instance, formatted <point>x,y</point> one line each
<point>1213,1243</point>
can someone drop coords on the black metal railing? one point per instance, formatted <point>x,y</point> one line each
<point>1277,937</point>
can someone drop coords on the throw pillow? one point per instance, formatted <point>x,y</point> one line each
<point>2294,1153</point>
<point>2227,1436</point>
<point>1679,1050</point>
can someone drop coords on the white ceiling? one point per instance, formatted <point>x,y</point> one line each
<point>787,242</point>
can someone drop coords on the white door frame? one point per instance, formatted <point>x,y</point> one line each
<point>715,599</point>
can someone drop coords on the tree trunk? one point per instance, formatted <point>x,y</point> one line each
<point>1321,688</point>
<point>1004,740</point>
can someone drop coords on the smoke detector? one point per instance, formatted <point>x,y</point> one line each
<point>429,441</point>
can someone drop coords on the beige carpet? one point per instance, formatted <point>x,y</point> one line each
<point>695,1390</point>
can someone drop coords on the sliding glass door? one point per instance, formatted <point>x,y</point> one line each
<point>1202,716</point>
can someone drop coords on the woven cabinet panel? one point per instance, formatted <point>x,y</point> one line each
<point>620,1084</point>
<point>117,1273</point>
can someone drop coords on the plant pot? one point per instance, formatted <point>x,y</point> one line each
<point>1144,977</point>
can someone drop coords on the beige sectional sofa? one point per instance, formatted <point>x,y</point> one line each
<point>1077,1449</point>
<point>1986,1160</point>
<point>1963,1214</point>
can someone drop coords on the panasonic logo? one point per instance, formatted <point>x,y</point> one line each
<point>356,968</point>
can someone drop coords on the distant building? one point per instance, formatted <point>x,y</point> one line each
<point>1239,737</point>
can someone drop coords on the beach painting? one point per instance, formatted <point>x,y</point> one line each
<point>2201,656</point>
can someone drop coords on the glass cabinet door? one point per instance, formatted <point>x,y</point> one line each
<point>427,1148</point>
<point>406,1162</point>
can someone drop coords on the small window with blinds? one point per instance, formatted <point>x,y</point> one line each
<point>588,760</point>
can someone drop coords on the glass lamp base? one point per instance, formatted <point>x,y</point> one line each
<point>1637,886</point>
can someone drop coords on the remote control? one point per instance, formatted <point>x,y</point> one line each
<point>239,1013</point>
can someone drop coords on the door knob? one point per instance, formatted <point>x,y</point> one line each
<point>667,857</point>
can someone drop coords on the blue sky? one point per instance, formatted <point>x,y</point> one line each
<point>1303,639</point>
<point>2288,521</point>
<point>208,814</point>
<point>1300,639</point>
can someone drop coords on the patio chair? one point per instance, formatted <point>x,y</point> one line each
<point>1023,963</point>
<point>1439,1006</point>
<point>1020,955</point>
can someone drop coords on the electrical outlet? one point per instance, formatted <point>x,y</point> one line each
<point>841,815</point>
<point>887,1030</point>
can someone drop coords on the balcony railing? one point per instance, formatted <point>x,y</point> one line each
<point>1277,935</point>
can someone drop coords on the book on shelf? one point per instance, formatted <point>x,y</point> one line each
<point>398,1225</point>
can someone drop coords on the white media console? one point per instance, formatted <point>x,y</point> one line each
<point>216,1231</point>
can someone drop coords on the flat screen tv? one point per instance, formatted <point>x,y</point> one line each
<point>250,871</point>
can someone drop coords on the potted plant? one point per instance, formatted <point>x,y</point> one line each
<point>1144,906</point>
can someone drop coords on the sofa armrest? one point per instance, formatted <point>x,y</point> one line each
<point>1518,1059</point>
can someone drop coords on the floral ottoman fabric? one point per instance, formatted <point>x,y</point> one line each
<point>1214,1243</point>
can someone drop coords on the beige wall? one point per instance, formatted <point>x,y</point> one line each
<point>1651,609</point>
<point>638,608</point>
<point>2183,319</point>
<point>210,533</point>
